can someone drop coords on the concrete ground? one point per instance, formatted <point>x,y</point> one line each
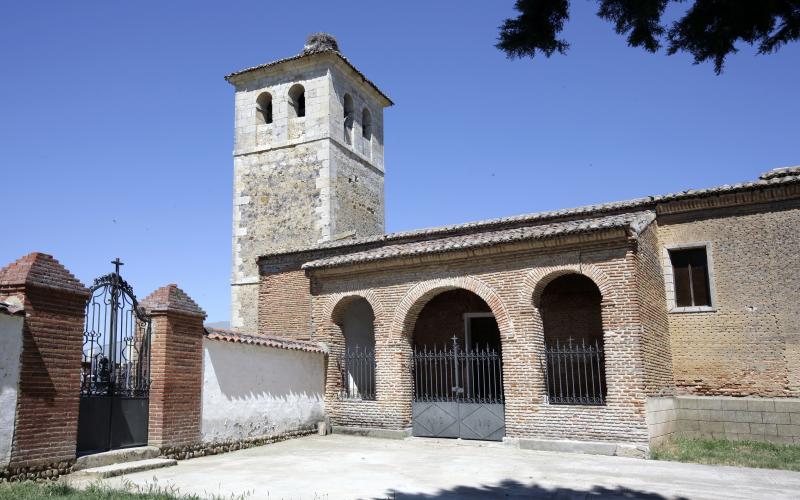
<point>338,466</point>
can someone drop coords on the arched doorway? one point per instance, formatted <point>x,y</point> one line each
<point>457,369</point>
<point>356,319</point>
<point>571,312</point>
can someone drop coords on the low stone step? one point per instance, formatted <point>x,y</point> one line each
<point>116,457</point>
<point>123,468</point>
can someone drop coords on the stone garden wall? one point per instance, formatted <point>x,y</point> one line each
<point>776,420</point>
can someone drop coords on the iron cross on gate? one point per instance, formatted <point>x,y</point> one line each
<point>117,263</point>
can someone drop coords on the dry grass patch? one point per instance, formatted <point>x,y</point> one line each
<point>723,452</point>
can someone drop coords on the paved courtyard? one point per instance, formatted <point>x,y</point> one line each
<point>338,466</point>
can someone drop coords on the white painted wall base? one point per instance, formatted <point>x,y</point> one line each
<point>10,352</point>
<point>251,390</point>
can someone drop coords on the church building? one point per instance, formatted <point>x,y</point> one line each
<point>613,324</point>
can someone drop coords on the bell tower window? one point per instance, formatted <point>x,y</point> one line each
<point>348,119</point>
<point>297,99</point>
<point>264,108</point>
<point>366,124</point>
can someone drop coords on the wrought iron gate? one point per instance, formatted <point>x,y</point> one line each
<point>115,371</point>
<point>458,394</point>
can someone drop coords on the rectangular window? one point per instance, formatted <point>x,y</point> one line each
<point>690,272</point>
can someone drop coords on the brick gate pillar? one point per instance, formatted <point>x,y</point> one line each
<point>176,367</point>
<point>46,421</point>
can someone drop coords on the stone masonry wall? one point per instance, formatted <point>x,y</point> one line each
<point>749,344</point>
<point>508,283</point>
<point>296,183</point>
<point>279,199</point>
<point>356,195</point>
<point>775,420</point>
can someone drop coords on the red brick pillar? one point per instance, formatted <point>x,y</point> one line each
<point>54,301</point>
<point>176,366</point>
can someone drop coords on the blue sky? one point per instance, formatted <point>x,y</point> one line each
<point>116,123</point>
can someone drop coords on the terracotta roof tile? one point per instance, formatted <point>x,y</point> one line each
<point>262,340</point>
<point>633,223</point>
<point>11,309</point>
<point>232,76</point>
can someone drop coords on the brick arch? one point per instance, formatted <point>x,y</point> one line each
<point>334,308</point>
<point>535,282</point>
<point>409,308</point>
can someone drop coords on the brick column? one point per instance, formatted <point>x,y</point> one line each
<point>176,367</point>
<point>54,301</point>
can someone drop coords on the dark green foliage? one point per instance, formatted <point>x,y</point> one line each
<point>709,29</point>
<point>535,29</point>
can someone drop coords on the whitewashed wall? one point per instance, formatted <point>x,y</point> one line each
<point>10,351</point>
<point>251,390</point>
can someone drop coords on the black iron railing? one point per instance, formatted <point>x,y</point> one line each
<point>575,372</point>
<point>452,374</point>
<point>357,366</point>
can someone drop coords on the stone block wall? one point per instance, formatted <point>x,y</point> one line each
<point>775,420</point>
<point>296,182</point>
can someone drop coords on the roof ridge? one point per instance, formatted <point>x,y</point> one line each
<point>231,76</point>
<point>264,340</point>
<point>633,222</point>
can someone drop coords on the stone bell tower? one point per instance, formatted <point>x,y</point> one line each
<point>307,160</point>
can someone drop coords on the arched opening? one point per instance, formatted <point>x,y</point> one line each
<point>264,108</point>
<point>349,118</point>
<point>457,369</point>
<point>357,363</point>
<point>297,100</point>
<point>456,313</point>
<point>366,124</point>
<point>570,307</point>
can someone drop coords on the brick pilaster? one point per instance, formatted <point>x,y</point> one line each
<point>54,300</point>
<point>176,367</point>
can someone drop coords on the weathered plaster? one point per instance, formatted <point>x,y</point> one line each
<point>251,391</point>
<point>10,352</point>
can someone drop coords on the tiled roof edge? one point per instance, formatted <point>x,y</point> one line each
<point>232,76</point>
<point>634,224</point>
<point>647,202</point>
<point>263,340</point>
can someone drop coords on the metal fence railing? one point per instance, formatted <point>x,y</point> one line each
<point>575,372</point>
<point>453,374</point>
<point>357,367</point>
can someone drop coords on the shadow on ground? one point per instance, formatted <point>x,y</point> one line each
<point>515,489</point>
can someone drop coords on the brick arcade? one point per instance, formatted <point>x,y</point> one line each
<point>690,293</point>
